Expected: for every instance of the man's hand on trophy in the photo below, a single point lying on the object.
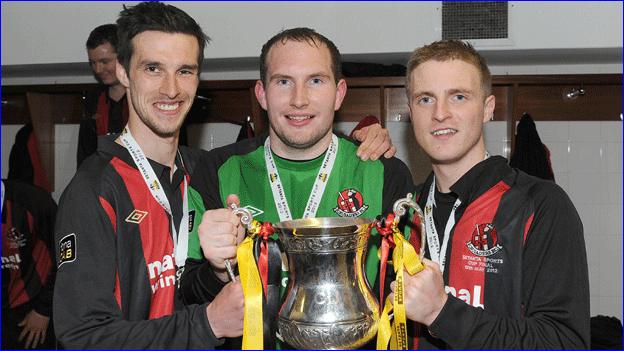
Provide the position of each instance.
(424, 293)
(220, 232)
(225, 313)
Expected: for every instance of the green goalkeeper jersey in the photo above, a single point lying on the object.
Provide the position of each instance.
(355, 188)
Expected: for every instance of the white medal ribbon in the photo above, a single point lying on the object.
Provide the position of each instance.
(438, 254)
(180, 240)
(279, 196)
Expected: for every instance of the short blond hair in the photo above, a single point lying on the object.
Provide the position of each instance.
(446, 50)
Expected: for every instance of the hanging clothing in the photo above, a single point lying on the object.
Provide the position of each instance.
(246, 131)
(25, 161)
(530, 154)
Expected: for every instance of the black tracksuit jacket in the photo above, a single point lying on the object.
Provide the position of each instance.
(522, 283)
(115, 284)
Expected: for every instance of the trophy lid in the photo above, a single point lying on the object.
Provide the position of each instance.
(323, 226)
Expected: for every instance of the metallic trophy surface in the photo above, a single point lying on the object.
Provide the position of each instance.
(329, 304)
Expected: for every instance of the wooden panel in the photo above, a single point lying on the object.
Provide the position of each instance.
(64, 108)
(221, 105)
(548, 103)
(67, 108)
(41, 106)
(396, 105)
(258, 115)
(550, 79)
(502, 111)
(15, 109)
(397, 109)
(359, 103)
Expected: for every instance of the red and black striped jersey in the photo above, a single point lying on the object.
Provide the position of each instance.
(516, 269)
(28, 214)
(116, 282)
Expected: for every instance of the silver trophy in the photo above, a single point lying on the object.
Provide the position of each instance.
(329, 303)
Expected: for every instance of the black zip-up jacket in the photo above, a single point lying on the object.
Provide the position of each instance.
(516, 266)
(115, 285)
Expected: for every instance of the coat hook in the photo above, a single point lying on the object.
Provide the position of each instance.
(574, 93)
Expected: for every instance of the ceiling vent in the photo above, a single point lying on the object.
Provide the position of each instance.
(474, 20)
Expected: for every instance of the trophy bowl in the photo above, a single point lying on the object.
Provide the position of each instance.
(329, 303)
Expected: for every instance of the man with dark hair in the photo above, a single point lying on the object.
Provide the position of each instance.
(106, 108)
(507, 268)
(123, 222)
(300, 170)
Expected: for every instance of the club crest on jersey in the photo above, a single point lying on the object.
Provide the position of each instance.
(136, 216)
(484, 240)
(67, 249)
(350, 203)
(16, 239)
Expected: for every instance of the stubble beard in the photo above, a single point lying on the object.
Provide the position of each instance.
(296, 143)
(162, 130)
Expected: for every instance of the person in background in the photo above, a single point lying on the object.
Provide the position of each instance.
(507, 266)
(300, 169)
(123, 220)
(28, 269)
(106, 107)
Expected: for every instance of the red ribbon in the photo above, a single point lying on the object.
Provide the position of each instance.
(266, 230)
(384, 228)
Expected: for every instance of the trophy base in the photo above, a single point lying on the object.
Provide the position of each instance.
(328, 336)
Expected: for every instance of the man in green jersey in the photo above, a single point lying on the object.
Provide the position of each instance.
(301, 169)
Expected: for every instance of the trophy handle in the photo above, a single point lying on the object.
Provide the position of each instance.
(400, 208)
(245, 214)
(246, 218)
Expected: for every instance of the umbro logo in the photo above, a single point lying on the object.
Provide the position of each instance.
(254, 211)
(136, 216)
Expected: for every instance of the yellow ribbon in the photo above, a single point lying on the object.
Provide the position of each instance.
(253, 337)
(384, 330)
(404, 257)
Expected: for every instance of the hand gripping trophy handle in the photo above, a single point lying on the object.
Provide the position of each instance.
(246, 218)
(400, 208)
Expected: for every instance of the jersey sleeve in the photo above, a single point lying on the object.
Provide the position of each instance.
(397, 182)
(365, 122)
(86, 311)
(199, 283)
(555, 289)
(44, 218)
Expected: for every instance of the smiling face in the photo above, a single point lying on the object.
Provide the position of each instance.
(301, 96)
(161, 82)
(103, 60)
(448, 108)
